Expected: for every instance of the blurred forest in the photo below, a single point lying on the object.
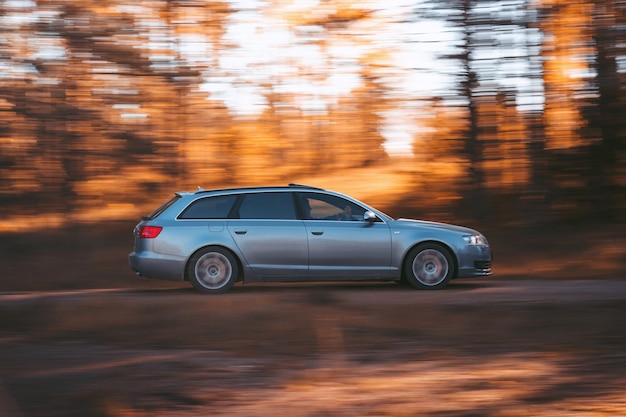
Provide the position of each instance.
(510, 110)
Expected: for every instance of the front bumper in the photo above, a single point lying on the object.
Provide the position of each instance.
(477, 264)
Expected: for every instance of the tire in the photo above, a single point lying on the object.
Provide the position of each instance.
(212, 270)
(429, 266)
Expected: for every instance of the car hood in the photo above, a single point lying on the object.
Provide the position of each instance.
(432, 225)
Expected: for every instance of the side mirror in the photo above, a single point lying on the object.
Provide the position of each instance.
(370, 216)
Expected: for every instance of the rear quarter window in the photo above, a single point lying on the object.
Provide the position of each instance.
(156, 213)
(209, 208)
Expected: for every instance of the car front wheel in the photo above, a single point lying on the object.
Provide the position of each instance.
(212, 270)
(429, 266)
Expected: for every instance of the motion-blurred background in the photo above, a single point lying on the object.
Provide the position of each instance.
(508, 111)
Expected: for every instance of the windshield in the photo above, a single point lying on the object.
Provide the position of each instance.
(384, 215)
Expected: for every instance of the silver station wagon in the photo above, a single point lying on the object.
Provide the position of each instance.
(214, 238)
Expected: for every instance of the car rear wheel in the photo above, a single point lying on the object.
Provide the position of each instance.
(212, 270)
(429, 266)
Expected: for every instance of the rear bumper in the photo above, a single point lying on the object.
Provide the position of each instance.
(153, 265)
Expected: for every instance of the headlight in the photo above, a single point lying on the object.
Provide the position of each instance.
(475, 240)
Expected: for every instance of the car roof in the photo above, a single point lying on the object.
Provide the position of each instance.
(291, 186)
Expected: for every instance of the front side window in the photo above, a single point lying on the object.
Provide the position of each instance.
(267, 206)
(329, 207)
(209, 208)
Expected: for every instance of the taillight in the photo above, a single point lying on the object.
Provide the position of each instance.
(149, 232)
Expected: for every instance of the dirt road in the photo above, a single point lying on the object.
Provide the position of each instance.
(479, 348)
(81, 336)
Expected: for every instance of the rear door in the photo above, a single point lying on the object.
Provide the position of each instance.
(269, 235)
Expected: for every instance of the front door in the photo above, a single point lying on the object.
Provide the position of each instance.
(356, 249)
(341, 243)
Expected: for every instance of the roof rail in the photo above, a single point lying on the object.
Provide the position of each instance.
(304, 186)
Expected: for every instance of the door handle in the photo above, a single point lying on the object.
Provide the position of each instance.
(241, 232)
(318, 233)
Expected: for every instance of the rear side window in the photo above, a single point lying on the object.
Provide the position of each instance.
(267, 206)
(209, 208)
